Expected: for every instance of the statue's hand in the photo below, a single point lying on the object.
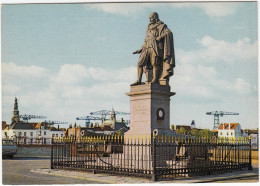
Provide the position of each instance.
(137, 52)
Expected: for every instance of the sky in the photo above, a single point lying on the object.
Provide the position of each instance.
(66, 60)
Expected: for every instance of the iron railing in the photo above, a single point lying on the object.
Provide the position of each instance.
(158, 157)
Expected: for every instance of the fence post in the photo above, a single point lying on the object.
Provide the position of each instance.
(250, 155)
(52, 153)
(154, 177)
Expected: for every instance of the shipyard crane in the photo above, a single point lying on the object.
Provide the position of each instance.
(104, 113)
(27, 117)
(216, 117)
(55, 122)
(88, 119)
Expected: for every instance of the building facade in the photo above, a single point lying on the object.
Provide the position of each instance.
(24, 133)
(229, 130)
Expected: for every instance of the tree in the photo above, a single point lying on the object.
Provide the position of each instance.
(194, 132)
(182, 130)
(206, 133)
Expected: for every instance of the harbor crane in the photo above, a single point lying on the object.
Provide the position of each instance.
(55, 122)
(88, 119)
(27, 117)
(104, 113)
(216, 117)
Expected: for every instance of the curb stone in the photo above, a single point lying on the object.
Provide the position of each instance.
(114, 179)
(104, 178)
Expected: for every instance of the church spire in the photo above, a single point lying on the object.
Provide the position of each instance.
(113, 115)
(15, 115)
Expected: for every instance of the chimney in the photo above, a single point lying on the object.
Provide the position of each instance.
(229, 126)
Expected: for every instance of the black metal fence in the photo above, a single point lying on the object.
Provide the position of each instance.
(157, 158)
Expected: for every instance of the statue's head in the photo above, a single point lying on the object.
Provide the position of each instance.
(154, 17)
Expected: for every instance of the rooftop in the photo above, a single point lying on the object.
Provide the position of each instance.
(233, 126)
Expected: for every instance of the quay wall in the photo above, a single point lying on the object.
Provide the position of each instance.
(34, 151)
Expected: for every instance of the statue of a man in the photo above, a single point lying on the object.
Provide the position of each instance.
(157, 53)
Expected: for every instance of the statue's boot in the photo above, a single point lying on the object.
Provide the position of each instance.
(140, 73)
(155, 75)
(136, 83)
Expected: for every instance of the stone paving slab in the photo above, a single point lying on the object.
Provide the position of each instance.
(104, 178)
(116, 179)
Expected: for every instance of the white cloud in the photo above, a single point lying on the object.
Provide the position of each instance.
(125, 9)
(73, 89)
(216, 9)
(221, 50)
(10, 88)
(215, 51)
(74, 73)
(213, 9)
(71, 73)
(197, 73)
(194, 80)
(23, 71)
(242, 86)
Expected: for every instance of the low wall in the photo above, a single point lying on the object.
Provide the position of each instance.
(34, 151)
(255, 155)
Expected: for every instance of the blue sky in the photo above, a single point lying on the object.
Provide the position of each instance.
(67, 60)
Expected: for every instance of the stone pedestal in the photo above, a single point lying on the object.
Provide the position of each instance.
(150, 109)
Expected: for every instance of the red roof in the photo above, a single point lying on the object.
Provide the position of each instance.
(233, 126)
(38, 126)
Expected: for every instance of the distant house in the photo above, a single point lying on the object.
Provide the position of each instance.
(31, 133)
(229, 130)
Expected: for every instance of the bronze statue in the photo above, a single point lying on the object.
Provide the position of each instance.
(157, 53)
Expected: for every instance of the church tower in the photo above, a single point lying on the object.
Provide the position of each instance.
(15, 115)
(113, 116)
(192, 125)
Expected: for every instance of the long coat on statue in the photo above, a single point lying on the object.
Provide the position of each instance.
(163, 48)
(168, 50)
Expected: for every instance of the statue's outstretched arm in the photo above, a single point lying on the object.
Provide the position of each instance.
(138, 51)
